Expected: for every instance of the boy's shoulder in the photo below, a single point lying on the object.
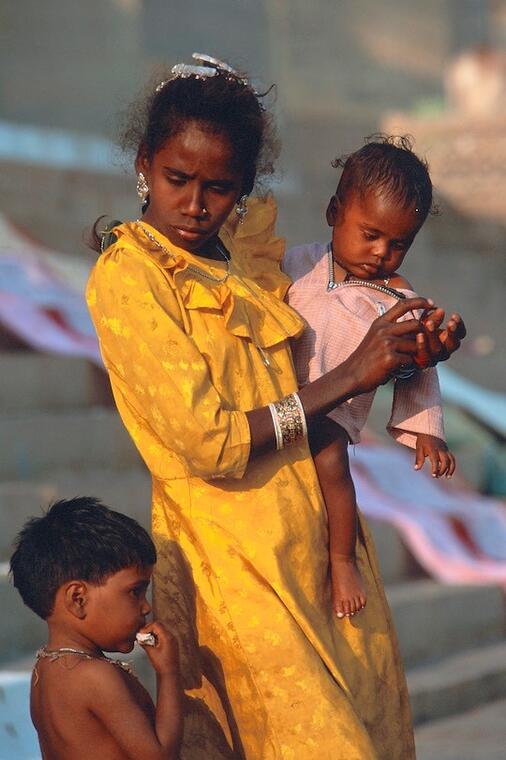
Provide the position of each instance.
(85, 685)
(300, 260)
(89, 691)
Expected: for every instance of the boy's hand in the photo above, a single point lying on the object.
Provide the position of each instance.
(441, 459)
(164, 655)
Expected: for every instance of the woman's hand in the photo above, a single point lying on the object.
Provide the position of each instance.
(390, 345)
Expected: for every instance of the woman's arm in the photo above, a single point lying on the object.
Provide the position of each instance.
(162, 384)
(387, 345)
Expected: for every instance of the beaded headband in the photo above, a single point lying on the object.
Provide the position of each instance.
(205, 66)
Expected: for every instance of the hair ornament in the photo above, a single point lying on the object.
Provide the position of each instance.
(205, 66)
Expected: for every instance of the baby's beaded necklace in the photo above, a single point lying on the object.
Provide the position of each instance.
(332, 284)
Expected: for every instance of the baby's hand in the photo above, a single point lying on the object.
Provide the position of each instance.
(163, 655)
(441, 459)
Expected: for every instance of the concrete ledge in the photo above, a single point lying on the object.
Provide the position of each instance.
(396, 563)
(41, 441)
(127, 490)
(21, 632)
(458, 683)
(478, 733)
(433, 620)
(38, 381)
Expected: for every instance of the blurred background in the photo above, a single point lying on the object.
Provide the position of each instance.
(343, 70)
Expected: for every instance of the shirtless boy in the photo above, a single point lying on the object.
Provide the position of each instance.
(85, 570)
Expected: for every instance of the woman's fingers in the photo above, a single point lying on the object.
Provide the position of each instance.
(435, 317)
(404, 307)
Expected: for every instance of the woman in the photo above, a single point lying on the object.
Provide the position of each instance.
(199, 361)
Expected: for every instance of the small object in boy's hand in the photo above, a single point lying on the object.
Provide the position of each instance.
(146, 639)
(426, 313)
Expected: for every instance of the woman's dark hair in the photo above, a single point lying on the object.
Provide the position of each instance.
(387, 165)
(219, 104)
(77, 539)
(222, 104)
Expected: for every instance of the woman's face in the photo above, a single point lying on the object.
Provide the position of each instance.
(193, 186)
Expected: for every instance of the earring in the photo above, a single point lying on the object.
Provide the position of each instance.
(242, 208)
(142, 187)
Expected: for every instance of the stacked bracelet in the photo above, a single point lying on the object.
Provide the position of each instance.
(289, 420)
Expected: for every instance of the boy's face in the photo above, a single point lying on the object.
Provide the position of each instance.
(371, 235)
(116, 610)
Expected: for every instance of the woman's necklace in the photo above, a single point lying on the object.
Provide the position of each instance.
(332, 284)
(57, 654)
(191, 267)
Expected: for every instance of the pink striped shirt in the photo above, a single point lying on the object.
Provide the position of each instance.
(337, 320)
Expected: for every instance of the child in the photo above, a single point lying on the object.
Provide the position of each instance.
(383, 197)
(85, 570)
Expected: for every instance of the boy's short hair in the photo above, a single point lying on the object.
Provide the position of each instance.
(386, 164)
(77, 539)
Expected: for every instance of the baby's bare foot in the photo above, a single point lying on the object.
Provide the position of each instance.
(348, 590)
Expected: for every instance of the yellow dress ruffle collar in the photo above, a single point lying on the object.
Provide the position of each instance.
(250, 297)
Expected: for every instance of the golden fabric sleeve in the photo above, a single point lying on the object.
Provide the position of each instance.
(160, 380)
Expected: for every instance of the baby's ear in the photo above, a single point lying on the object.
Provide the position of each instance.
(333, 211)
(75, 597)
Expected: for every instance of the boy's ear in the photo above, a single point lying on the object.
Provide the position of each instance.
(75, 598)
(333, 211)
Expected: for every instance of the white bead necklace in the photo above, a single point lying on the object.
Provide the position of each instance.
(57, 654)
(191, 267)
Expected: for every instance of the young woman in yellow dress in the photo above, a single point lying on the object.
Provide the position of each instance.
(195, 337)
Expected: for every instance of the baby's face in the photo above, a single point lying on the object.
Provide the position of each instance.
(118, 608)
(371, 235)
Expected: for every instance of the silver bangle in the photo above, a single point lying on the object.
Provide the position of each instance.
(277, 429)
(289, 420)
(302, 413)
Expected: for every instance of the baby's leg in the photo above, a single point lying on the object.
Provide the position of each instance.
(330, 453)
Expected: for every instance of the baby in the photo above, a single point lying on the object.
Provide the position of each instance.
(383, 198)
(85, 569)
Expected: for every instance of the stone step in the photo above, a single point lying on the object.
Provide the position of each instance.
(128, 490)
(21, 631)
(477, 733)
(459, 682)
(435, 620)
(432, 621)
(35, 442)
(396, 562)
(40, 381)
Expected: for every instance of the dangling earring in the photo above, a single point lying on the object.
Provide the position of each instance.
(242, 208)
(142, 187)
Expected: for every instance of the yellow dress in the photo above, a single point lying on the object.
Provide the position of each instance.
(242, 575)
